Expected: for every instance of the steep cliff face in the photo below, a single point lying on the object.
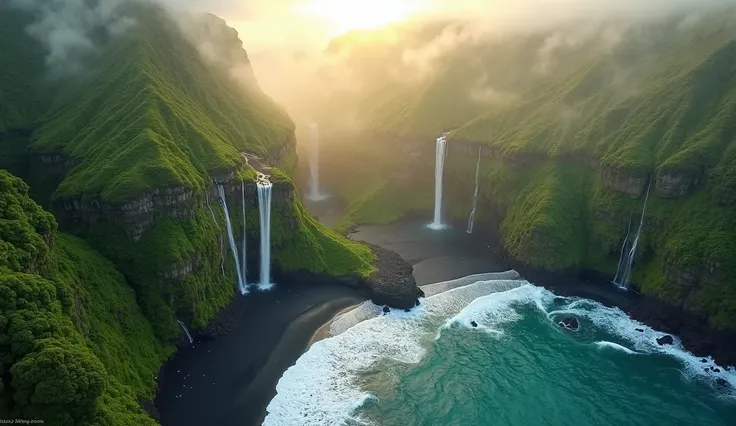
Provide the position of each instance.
(130, 153)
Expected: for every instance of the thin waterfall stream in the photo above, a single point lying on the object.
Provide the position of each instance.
(624, 281)
(233, 247)
(471, 219)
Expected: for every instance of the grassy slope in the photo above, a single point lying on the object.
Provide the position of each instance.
(74, 346)
(666, 105)
(154, 114)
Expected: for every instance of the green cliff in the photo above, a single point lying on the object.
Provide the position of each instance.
(572, 125)
(128, 156)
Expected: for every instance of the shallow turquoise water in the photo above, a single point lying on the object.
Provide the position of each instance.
(518, 367)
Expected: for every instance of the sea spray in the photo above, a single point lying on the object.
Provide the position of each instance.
(243, 247)
(376, 371)
(625, 279)
(471, 219)
(621, 256)
(439, 167)
(314, 191)
(264, 208)
(186, 331)
(329, 368)
(241, 283)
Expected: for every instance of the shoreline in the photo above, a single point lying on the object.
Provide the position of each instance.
(232, 373)
(308, 307)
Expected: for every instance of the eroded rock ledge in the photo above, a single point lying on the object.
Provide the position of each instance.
(667, 184)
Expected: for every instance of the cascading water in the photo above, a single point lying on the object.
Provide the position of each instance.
(243, 247)
(471, 219)
(264, 208)
(621, 257)
(314, 193)
(625, 279)
(439, 167)
(241, 282)
(186, 331)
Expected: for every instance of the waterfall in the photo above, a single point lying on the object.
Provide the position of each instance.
(439, 167)
(314, 193)
(471, 219)
(241, 283)
(621, 258)
(625, 279)
(243, 247)
(264, 209)
(186, 330)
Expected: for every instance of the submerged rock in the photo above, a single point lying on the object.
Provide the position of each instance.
(386, 309)
(407, 310)
(703, 360)
(640, 330)
(474, 324)
(665, 340)
(420, 293)
(418, 303)
(569, 323)
(722, 383)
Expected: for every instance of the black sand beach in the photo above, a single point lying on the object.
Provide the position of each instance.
(230, 381)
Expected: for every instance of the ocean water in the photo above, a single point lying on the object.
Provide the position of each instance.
(516, 366)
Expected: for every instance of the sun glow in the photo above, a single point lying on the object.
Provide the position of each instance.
(346, 15)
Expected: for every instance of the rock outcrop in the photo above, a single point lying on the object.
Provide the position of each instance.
(672, 184)
(630, 184)
(393, 283)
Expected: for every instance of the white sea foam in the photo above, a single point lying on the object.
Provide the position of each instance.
(615, 346)
(320, 388)
(615, 322)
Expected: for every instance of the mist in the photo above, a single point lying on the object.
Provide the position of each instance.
(297, 62)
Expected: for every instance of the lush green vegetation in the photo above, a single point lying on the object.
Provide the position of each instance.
(302, 243)
(566, 113)
(154, 113)
(74, 346)
(87, 320)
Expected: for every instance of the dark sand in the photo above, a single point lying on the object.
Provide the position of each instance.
(231, 380)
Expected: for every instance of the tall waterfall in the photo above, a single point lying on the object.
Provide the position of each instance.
(314, 193)
(439, 167)
(186, 331)
(241, 282)
(243, 247)
(471, 219)
(624, 281)
(264, 209)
